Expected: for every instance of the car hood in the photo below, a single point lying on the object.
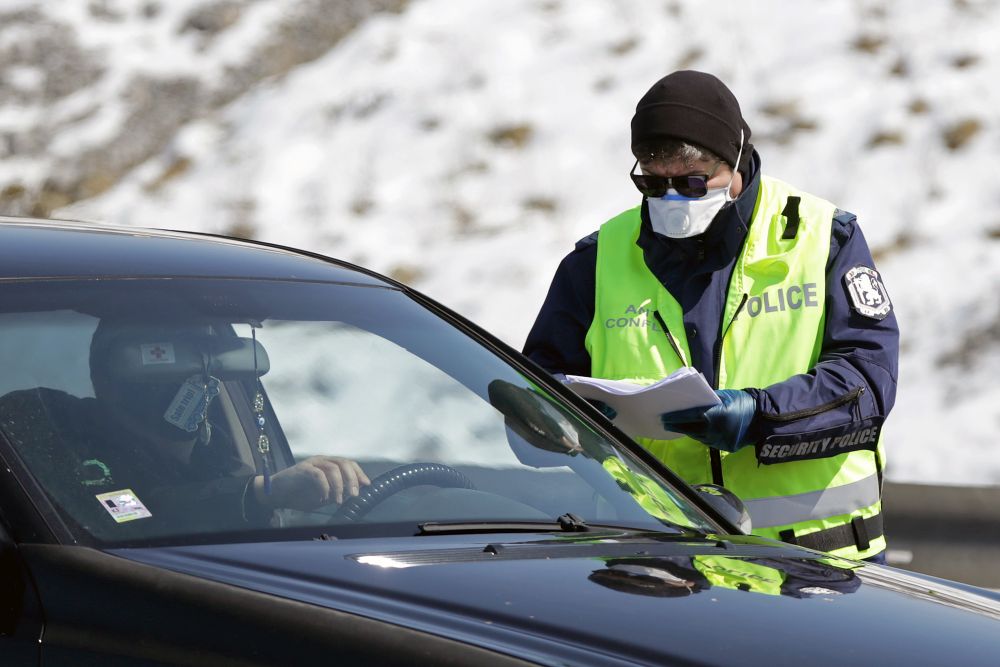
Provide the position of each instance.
(621, 598)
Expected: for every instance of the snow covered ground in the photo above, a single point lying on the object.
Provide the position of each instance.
(464, 145)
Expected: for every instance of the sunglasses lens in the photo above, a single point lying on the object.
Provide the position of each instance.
(651, 186)
(656, 186)
(691, 186)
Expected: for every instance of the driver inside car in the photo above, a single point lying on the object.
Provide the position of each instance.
(151, 430)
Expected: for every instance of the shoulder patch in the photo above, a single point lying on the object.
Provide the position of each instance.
(590, 239)
(868, 295)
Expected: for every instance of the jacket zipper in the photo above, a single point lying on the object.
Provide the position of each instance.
(718, 347)
(853, 395)
(714, 454)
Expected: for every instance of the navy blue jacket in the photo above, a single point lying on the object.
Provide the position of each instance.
(858, 352)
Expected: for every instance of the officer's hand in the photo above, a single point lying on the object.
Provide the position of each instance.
(724, 426)
(319, 480)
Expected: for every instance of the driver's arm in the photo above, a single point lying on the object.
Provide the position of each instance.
(319, 480)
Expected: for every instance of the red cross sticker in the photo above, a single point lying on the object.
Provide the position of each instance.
(157, 353)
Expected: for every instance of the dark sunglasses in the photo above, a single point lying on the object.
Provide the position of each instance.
(693, 185)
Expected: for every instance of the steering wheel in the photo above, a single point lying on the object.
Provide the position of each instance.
(396, 480)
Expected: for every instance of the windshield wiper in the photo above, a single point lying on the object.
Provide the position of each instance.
(567, 523)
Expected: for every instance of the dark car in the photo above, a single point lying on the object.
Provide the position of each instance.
(219, 452)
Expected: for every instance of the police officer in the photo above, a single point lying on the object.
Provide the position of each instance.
(769, 291)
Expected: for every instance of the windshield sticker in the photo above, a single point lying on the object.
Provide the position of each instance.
(157, 353)
(123, 505)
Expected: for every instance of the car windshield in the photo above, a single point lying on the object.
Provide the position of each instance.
(165, 410)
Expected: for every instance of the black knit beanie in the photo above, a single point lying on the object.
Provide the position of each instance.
(694, 107)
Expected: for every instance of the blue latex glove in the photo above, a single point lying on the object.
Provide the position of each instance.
(724, 426)
(603, 407)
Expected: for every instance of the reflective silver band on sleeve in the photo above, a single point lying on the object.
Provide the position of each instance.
(787, 510)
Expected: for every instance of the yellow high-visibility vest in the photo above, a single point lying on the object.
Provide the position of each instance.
(772, 329)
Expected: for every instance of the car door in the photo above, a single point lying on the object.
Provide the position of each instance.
(20, 626)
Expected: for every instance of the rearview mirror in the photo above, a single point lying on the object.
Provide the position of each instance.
(176, 358)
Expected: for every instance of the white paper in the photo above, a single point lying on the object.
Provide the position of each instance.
(639, 406)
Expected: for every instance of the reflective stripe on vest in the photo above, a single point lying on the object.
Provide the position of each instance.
(787, 510)
(773, 323)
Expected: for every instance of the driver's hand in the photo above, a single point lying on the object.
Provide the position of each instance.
(319, 480)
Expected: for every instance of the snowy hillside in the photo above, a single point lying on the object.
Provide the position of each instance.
(464, 145)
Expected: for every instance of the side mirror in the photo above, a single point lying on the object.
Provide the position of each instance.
(533, 418)
(541, 432)
(726, 503)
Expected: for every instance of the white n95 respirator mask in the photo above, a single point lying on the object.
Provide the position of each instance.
(681, 217)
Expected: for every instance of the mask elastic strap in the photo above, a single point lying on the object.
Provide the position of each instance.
(736, 168)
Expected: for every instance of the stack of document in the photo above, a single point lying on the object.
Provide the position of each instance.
(639, 406)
